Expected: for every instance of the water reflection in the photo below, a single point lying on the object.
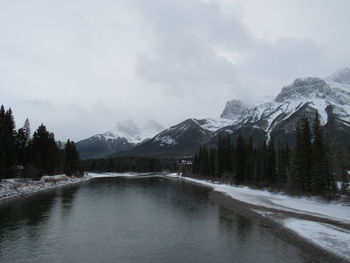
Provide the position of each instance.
(22, 209)
(133, 220)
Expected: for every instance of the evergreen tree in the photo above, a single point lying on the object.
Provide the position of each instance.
(22, 142)
(283, 165)
(241, 160)
(322, 176)
(72, 159)
(8, 158)
(2, 143)
(45, 153)
(344, 181)
(249, 163)
(300, 177)
(306, 169)
(306, 155)
(270, 164)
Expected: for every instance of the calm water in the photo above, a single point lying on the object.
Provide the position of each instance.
(133, 220)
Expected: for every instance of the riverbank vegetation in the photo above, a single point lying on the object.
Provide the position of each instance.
(129, 164)
(306, 169)
(31, 156)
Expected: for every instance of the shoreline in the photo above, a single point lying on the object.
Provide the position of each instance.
(30, 187)
(318, 254)
(274, 219)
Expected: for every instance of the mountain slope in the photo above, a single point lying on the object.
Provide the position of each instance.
(234, 110)
(278, 118)
(123, 137)
(180, 140)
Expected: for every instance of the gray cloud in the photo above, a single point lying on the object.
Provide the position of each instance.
(187, 61)
(80, 66)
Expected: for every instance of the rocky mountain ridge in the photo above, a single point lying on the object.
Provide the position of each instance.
(276, 119)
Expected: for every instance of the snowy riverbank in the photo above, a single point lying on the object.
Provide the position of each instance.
(15, 187)
(323, 224)
(288, 212)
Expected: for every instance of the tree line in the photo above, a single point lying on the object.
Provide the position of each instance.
(305, 169)
(26, 155)
(129, 164)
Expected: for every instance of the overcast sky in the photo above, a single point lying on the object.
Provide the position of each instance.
(80, 66)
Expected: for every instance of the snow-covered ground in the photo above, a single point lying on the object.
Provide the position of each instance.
(103, 175)
(332, 238)
(20, 186)
(15, 187)
(308, 206)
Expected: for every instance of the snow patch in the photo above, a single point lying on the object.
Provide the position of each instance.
(103, 175)
(304, 205)
(165, 140)
(20, 186)
(334, 239)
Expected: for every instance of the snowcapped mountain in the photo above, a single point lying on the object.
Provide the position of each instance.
(278, 118)
(123, 137)
(126, 129)
(180, 140)
(234, 110)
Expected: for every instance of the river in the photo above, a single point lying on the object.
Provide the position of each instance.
(125, 220)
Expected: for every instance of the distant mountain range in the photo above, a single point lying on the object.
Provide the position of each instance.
(275, 119)
(123, 137)
(180, 140)
(278, 118)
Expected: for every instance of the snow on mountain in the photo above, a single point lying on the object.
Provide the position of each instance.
(314, 92)
(124, 136)
(329, 96)
(214, 125)
(180, 140)
(207, 127)
(342, 76)
(234, 110)
(133, 134)
(126, 129)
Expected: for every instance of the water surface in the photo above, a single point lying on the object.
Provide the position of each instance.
(133, 220)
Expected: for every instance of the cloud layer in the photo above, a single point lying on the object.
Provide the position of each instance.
(80, 66)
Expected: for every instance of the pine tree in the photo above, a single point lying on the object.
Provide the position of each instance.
(241, 160)
(344, 181)
(323, 182)
(2, 143)
(8, 142)
(271, 164)
(249, 164)
(72, 160)
(300, 177)
(306, 155)
(45, 153)
(22, 142)
(283, 165)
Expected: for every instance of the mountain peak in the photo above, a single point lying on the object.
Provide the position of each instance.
(341, 76)
(303, 88)
(234, 109)
(127, 127)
